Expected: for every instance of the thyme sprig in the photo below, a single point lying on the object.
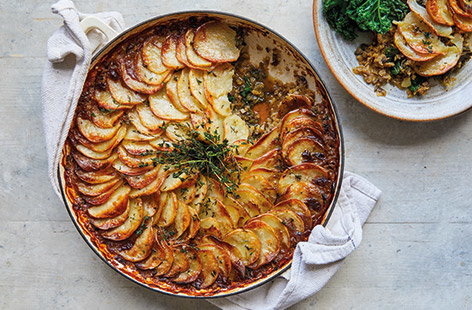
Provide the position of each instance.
(202, 151)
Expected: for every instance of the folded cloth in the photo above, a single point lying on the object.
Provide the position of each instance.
(69, 52)
(314, 261)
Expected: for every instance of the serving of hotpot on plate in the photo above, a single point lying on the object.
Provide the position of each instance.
(320, 169)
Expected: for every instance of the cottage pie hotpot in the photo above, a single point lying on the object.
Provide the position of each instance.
(203, 149)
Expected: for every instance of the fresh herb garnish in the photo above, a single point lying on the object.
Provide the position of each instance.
(416, 83)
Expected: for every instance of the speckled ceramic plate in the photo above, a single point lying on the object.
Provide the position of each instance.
(437, 104)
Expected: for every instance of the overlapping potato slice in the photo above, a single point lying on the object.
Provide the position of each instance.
(142, 180)
(157, 257)
(126, 170)
(125, 230)
(443, 63)
(291, 220)
(276, 224)
(181, 262)
(421, 13)
(216, 42)
(192, 56)
(308, 193)
(235, 128)
(266, 143)
(462, 22)
(95, 189)
(134, 135)
(193, 227)
(102, 147)
(196, 86)
(105, 100)
(96, 134)
(406, 50)
(142, 247)
(270, 243)
(104, 118)
(246, 243)
(293, 102)
(152, 187)
(186, 194)
(96, 177)
(152, 55)
(439, 12)
(114, 206)
(148, 76)
(458, 10)
(92, 154)
(138, 148)
(210, 269)
(222, 258)
(184, 93)
(172, 92)
(270, 160)
(163, 108)
(194, 269)
(176, 131)
(236, 211)
(260, 183)
(216, 209)
(169, 204)
(90, 164)
(169, 51)
(147, 123)
(300, 118)
(201, 190)
(304, 150)
(252, 200)
(182, 219)
(218, 83)
(104, 197)
(168, 260)
(299, 208)
(123, 94)
(133, 82)
(419, 35)
(134, 161)
(174, 180)
(108, 223)
(209, 226)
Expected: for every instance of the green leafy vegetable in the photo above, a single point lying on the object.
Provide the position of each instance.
(335, 13)
(416, 83)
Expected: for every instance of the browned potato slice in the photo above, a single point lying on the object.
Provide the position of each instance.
(299, 208)
(168, 204)
(152, 187)
(306, 192)
(217, 84)
(143, 180)
(291, 220)
(307, 172)
(270, 243)
(151, 205)
(196, 86)
(108, 223)
(194, 226)
(148, 76)
(90, 164)
(136, 85)
(298, 113)
(96, 189)
(181, 262)
(244, 162)
(304, 132)
(443, 63)
(252, 200)
(134, 135)
(145, 121)
(304, 150)
(172, 93)
(413, 30)
(276, 224)
(222, 258)
(192, 56)
(102, 198)
(125, 230)
(236, 211)
(201, 190)
(241, 147)
(142, 247)
(122, 168)
(235, 129)
(210, 227)
(91, 153)
(210, 269)
(458, 10)
(174, 180)
(152, 54)
(194, 269)
(94, 133)
(163, 108)
(215, 190)
(168, 260)
(134, 161)
(110, 144)
(262, 185)
(421, 13)
(246, 243)
(216, 42)
(177, 131)
(169, 51)
(439, 11)
(292, 102)
(107, 102)
(297, 123)
(182, 219)
(96, 177)
(161, 143)
(153, 123)
(270, 160)
(266, 143)
(184, 93)
(231, 251)
(217, 210)
(181, 51)
(158, 256)
(104, 118)
(114, 206)
(138, 148)
(123, 94)
(406, 50)
(215, 124)
(462, 22)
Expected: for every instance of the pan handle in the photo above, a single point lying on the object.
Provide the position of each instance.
(92, 22)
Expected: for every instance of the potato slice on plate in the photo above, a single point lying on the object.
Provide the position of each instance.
(185, 95)
(276, 224)
(148, 76)
(133, 82)
(163, 108)
(94, 133)
(96, 189)
(235, 128)
(90, 164)
(123, 94)
(181, 262)
(114, 206)
(406, 50)
(443, 63)
(192, 56)
(194, 269)
(172, 93)
(216, 42)
(210, 268)
(108, 223)
(147, 123)
(196, 86)
(421, 13)
(270, 243)
(104, 118)
(247, 245)
(96, 177)
(142, 247)
(439, 12)
(168, 203)
(266, 143)
(419, 35)
(125, 230)
(152, 54)
(169, 51)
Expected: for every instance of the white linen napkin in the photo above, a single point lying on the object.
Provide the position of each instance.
(69, 53)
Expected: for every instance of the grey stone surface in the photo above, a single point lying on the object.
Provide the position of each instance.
(416, 251)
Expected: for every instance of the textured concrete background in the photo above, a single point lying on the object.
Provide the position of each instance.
(416, 251)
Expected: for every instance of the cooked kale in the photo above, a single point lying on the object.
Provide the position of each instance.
(335, 13)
